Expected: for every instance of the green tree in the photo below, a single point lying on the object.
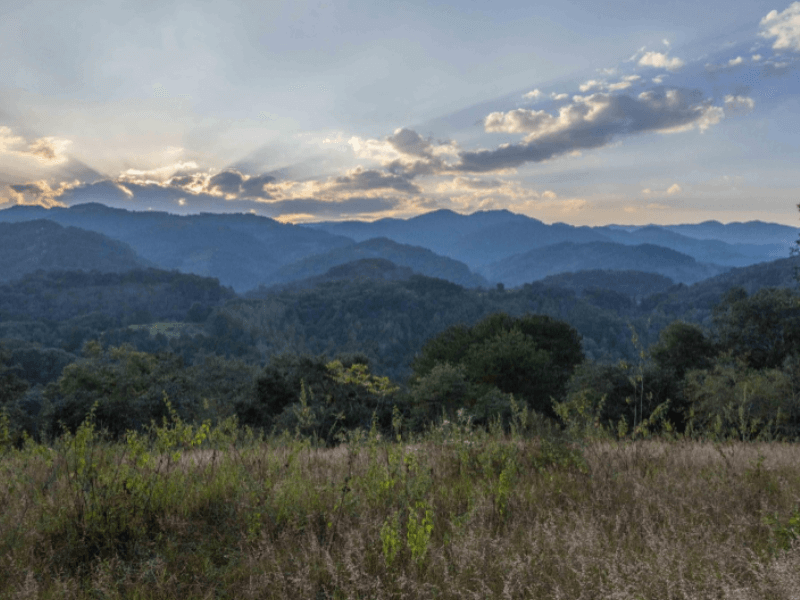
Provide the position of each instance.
(733, 399)
(128, 386)
(12, 387)
(532, 356)
(763, 329)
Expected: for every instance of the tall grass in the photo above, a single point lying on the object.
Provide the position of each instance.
(219, 512)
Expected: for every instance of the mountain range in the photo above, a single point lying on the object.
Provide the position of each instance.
(479, 250)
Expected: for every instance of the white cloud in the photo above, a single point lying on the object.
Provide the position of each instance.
(625, 83)
(40, 193)
(756, 57)
(555, 96)
(159, 174)
(739, 105)
(661, 61)
(784, 26)
(735, 61)
(591, 84)
(47, 150)
(533, 95)
(589, 122)
(672, 190)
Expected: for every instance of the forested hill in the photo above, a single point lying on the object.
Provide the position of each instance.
(364, 268)
(420, 260)
(564, 257)
(40, 244)
(138, 296)
(239, 250)
(633, 284)
(485, 237)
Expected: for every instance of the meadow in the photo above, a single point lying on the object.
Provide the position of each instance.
(522, 511)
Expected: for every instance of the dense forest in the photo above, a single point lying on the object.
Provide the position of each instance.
(370, 430)
(694, 354)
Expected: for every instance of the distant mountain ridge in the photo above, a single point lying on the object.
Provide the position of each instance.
(239, 250)
(420, 260)
(486, 237)
(41, 244)
(570, 257)
(364, 268)
(245, 251)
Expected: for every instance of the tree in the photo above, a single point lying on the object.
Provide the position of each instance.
(12, 387)
(763, 329)
(128, 386)
(683, 346)
(532, 356)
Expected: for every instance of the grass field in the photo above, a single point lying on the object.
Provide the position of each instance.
(216, 513)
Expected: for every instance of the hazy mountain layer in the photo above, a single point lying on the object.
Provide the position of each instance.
(489, 236)
(239, 250)
(363, 269)
(420, 260)
(245, 251)
(569, 257)
(41, 244)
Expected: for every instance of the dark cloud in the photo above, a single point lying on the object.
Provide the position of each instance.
(35, 188)
(419, 167)
(374, 180)
(233, 183)
(183, 180)
(227, 182)
(254, 187)
(408, 141)
(589, 122)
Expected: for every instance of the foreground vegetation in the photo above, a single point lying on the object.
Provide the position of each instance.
(529, 511)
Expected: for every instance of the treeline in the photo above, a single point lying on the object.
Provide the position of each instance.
(743, 375)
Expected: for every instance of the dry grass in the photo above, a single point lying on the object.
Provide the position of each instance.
(522, 519)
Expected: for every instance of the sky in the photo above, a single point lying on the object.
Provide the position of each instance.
(586, 112)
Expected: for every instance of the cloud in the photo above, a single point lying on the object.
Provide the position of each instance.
(661, 61)
(738, 105)
(672, 190)
(159, 174)
(226, 182)
(589, 122)
(591, 84)
(784, 26)
(253, 186)
(533, 95)
(229, 183)
(406, 153)
(735, 61)
(39, 193)
(370, 179)
(626, 82)
(47, 150)
(555, 96)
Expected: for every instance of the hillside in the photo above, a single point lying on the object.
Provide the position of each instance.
(362, 269)
(419, 260)
(634, 284)
(134, 296)
(29, 246)
(696, 301)
(485, 237)
(239, 250)
(570, 257)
